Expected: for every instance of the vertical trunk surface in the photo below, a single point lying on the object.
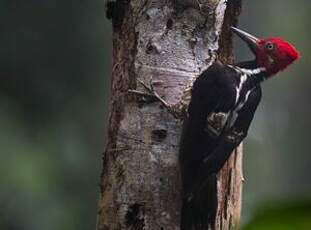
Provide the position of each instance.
(168, 43)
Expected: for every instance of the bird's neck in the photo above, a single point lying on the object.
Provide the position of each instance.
(254, 73)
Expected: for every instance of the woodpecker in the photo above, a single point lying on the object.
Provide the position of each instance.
(223, 102)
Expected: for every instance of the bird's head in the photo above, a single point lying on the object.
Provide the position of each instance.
(274, 54)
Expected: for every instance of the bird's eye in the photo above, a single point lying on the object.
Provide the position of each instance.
(269, 46)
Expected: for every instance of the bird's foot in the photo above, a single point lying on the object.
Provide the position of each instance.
(216, 123)
(235, 136)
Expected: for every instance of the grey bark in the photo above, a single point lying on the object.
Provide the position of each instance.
(168, 43)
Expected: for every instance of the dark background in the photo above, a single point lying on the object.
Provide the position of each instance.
(55, 61)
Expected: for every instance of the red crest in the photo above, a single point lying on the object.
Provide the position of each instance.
(275, 54)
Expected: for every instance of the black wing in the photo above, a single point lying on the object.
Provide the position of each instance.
(202, 153)
(212, 93)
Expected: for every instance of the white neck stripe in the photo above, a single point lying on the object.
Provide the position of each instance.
(249, 71)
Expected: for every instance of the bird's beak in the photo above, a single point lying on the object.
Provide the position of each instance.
(251, 40)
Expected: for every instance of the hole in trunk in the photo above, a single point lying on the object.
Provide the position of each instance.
(135, 217)
(158, 134)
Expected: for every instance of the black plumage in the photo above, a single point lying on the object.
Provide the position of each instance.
(224, 100)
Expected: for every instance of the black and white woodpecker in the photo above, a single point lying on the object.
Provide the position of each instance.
(223, 102)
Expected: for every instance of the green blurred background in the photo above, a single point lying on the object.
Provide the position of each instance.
(55, 60)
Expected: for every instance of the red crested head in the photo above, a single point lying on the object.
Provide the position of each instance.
(273, 54)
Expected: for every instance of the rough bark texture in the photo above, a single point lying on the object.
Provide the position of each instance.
(168, 42)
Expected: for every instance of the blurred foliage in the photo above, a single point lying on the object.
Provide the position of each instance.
(282, 216)
(55, 68)
(277, 150)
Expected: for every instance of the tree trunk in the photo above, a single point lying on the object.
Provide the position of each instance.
(169, 43)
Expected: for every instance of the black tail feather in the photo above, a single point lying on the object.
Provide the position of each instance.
(200, 207)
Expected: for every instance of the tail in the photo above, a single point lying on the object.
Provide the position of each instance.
(199, 207)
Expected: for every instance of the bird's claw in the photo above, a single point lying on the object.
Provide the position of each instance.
(216, 123)
(235, 136)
